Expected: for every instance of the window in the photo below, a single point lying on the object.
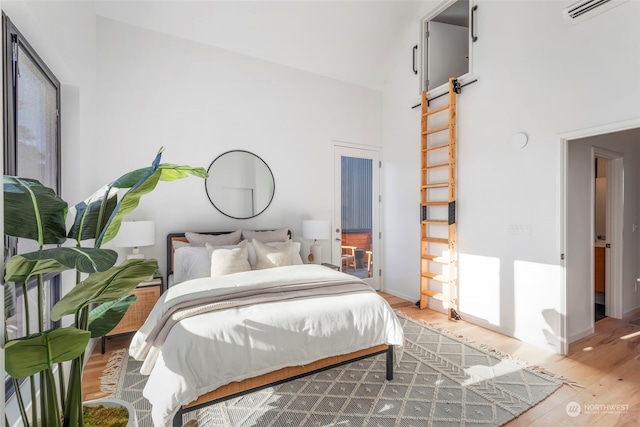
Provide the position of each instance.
(32, 150)
(446, 44)
(357, 194)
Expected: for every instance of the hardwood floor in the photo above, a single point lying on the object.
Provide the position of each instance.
(605, 366)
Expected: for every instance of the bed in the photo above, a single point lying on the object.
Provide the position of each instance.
(213, 337)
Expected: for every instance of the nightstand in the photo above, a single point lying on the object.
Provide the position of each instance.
(147, 293)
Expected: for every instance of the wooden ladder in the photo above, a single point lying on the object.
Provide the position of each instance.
(438, 256)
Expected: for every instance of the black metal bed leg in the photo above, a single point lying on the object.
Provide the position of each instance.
(390, 363)
(177, 419)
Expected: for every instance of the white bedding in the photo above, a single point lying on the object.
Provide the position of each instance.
(204, 352)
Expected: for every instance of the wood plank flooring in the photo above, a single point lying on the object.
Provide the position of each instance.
(604, 365)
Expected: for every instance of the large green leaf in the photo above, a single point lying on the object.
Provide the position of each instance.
(128, 203)
(171, 172)
(105, 286)
(149, 180)
(139, 183)
(91, 215)
(86, 260)
(105, 317)
(20, 269)
(33, 211)
(28, 356)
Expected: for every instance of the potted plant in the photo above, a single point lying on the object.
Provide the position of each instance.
(100, 297)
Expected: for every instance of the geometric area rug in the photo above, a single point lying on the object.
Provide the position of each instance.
(441, 380)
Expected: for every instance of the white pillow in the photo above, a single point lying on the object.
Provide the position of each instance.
(296, 259)
(190, 262)
(281, 235)
(197, 239)
(269, 256)
(229, 260)
(177, 244)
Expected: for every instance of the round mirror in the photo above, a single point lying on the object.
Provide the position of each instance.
(240, 184)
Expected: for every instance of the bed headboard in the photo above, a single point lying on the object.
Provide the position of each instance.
(180, 237)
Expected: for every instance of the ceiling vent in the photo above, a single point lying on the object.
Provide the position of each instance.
(585, 9)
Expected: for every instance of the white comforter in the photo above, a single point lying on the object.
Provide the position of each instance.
(211, 349)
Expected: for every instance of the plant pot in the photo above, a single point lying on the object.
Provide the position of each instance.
(109, 402)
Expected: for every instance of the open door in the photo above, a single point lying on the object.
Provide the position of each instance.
(356, 233)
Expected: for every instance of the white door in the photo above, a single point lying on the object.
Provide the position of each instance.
(356, 213)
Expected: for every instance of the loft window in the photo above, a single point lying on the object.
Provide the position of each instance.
(447, 35)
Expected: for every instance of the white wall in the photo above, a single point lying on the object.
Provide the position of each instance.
(199, 101)
(536, 74)
(401, 167)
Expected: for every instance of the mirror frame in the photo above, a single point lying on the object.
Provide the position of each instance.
(219, 208)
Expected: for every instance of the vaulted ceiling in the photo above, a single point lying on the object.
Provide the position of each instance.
(349, 40)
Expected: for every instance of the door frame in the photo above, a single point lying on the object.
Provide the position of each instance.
(341, 148)
(564, 238)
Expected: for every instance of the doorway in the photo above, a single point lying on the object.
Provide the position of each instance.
(600, 240)
(617, 143)
(607, 220)
(356, 223)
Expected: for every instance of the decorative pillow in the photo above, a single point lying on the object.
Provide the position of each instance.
(281, 235)
(269, 256)
(229, 260)
(197, 239)
(296, 259)
(190, 262)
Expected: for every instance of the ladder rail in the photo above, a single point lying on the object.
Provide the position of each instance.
(434, 242)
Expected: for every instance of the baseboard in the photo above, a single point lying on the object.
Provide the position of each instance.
(632, 312)
(575, 337)
(486, 325)
(400, 295)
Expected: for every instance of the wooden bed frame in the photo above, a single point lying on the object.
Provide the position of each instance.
(270, 379)
(283, 375)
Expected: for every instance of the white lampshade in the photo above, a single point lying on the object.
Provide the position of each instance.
(134, 234)
(316, 230)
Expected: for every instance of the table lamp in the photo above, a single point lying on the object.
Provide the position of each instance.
(134, 234)
(315, 230)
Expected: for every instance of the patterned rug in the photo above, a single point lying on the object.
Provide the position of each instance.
(441, 380)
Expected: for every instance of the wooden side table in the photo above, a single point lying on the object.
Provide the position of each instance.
(148, 293)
